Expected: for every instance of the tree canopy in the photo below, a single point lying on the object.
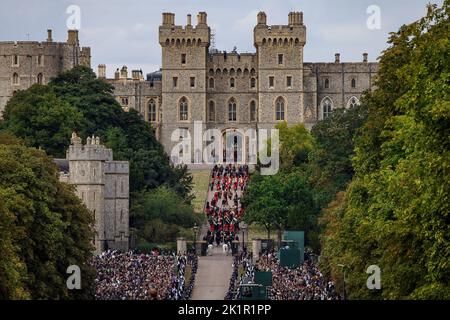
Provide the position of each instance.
(394, 213)
(44, 227)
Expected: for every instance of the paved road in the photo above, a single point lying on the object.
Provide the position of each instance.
(213, 276)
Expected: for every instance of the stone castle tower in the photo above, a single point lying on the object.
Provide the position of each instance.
(234, 92)
(24, 63)
(103, 185)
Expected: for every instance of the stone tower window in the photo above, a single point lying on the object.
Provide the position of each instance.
(289, 81)
(211, 112)
(183, 58)
(271, 82)
(192, 82)
(327, 83)
(280, 59)
(211, 83)
(232, 110)
(184, 109)
(253, 111)
(353, 83)
(175, 82)
(232, 83)
(279, 109)
(152, 111)
(40, 78)
(253, 83)
(327, 108)
(15, 60)
(40, 60)
(15, 78)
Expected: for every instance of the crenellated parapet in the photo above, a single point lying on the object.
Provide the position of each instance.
(188, 35)
(92, 150)
(291, 34)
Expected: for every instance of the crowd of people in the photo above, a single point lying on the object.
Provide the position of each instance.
(224, 209)
(243, 260)
(303, 283)
(131, 276)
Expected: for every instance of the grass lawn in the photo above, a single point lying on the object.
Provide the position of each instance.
(200, 188)
(256, 231)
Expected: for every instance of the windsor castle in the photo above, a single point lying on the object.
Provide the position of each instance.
(228, 91)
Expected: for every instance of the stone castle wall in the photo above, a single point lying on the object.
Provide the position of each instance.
(37, 62)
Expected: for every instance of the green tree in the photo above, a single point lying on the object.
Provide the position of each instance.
(395, 211)
(161, 214)
(42, 119)
(49, 230)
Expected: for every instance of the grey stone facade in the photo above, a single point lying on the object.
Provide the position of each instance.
(272, 85)
(24, 63)
(103, 185)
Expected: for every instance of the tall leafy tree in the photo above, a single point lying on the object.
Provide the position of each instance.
(395, 211)
(47, 228)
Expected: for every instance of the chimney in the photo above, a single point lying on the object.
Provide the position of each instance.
(124, 72)
(295, 18)
(337, 58)
(101, 71)
(201, 19)
(49, 35)
(136, 74)
(189, 20)
(72, 37)
(365, 57)
(168, 19)
(262, 18)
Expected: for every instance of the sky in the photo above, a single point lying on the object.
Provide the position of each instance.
(125, 32)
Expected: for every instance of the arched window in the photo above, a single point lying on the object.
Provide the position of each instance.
(152, 111)
(279, 109)
(327, 108)
(15, 78)
(184, 109)
(353, 83)
(232, 110)
(352, 102)
(40, 78)
(211, 112)
(253, 115)
(211, 83)
(232, 83)
(252, 83)
(327, 83)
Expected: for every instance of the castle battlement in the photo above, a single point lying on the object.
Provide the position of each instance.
(92, 150)
(176, 35)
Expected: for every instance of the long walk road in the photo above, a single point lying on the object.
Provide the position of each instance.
(213, 276)
(214, 272)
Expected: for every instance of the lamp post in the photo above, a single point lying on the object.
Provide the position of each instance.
(244, 227)
(343, 266)
(195, 230)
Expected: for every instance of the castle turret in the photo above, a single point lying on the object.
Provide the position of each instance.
(184, 54)
(280, 69)
(101, 71)
(262, 18)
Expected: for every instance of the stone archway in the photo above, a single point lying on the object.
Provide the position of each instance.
(234, 146)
